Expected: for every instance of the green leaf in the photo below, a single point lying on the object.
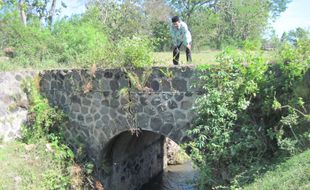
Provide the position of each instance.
(276, 105)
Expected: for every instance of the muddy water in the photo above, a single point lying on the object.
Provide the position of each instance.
(175, 177)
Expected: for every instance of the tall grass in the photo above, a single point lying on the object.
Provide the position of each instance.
(291, 174)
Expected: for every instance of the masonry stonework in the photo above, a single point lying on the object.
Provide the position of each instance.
(13, 103)
(98, 111)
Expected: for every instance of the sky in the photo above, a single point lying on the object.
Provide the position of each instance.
(73, 7)
(296, 15)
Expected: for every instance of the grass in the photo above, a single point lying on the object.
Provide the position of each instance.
(28, 167)
(165, 58)
(8, 65)
(160, 58)
(32, 167)
(293, 174)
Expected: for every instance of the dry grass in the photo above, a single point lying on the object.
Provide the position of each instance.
(165, 58)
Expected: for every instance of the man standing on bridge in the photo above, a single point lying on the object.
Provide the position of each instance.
(180, 36)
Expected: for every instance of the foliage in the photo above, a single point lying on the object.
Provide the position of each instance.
(253, 45)
(271, 41)
(81, 39)
(241, 20)
(237, 127)
(70, 41)
(291, 174)
(46, 124)
(161, 36)
(80, 42)
(278, 6)
(158, 12)
(116, 23)
(46, 129)
(139, 82)
(288, 93)
(220, 139)
(222, 23)
(294, 35)
(34, 10)
(134, 52)
(32, 44)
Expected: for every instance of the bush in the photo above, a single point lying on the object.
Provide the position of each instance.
(45, 125)
(32, 44)
(251, 45)
(220, 136)
(135, 52)
(79, 42)
(70, 41)
(288, 93)
(237, 124)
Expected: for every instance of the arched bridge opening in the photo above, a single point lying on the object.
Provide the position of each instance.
(131, 160)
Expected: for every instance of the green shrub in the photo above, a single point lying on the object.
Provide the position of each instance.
(220, 138)
(32, 44)
(251, 44)
(43, 119)
(45, 129)
(288, 93)
(248, 112)
(135, 52)
(46, 125)
(79, 42)
(73, 41)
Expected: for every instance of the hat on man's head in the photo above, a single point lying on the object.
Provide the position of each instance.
(175, 19)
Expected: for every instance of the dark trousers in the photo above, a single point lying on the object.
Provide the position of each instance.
(176, 55)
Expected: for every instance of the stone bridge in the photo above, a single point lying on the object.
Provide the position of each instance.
(122, 116)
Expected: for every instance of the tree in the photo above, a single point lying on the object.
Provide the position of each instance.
(242, 20)
(229, 21)
(271, 41)
(117, 24)
(22, 12)
(158, 13)
(43, 10)
(294, 35)
(187, 8)
(203, 27)
(157, 10)
(278, 6)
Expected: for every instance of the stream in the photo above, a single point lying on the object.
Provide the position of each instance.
(175, 177)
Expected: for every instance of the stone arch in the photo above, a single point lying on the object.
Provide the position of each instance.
(132, 160)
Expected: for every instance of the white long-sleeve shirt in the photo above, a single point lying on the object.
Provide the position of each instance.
(181, 34)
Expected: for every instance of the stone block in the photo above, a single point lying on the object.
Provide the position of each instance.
(156, 123)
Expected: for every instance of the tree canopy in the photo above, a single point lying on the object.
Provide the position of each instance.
(213, 23)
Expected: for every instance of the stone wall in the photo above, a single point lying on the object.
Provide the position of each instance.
(13, 103)
(97, 112)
